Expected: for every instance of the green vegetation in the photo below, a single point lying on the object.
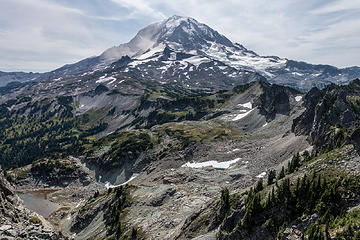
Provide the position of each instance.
(355, 103)
(44, 167)
(282, 173)
(40, 129)
(242, 88)
(35, 220)
(345, 226)
(185, 133)
(316, 194)
(259, 185)
(271, 177)
(337, 140)
(294, 164)
(326, 194)
(225, 200)
(170, 106)
(127, 146)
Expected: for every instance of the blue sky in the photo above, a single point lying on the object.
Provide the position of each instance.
(41, 35)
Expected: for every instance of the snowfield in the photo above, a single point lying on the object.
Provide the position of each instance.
(105, 79)
(261, 175)
(242, 115)
(246, 105)
(108, 185)
(214, 164)
(298, 98)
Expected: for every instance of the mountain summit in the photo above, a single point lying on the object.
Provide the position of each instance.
(184, 51)
(181, 33)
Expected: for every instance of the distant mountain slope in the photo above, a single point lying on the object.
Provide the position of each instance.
(8, 77)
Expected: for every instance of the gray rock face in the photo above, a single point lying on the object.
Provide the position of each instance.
(292, 234)
(331, 116)
(17, 222)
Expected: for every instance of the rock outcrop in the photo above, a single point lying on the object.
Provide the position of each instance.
(17, 222)
(332, 116)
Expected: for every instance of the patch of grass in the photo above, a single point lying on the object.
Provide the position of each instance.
(127, 146)
(350, 218)
(35, 220)
(188, 132)
(44, 167)
(355, 103)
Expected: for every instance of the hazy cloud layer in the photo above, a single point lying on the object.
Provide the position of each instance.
(45, 34)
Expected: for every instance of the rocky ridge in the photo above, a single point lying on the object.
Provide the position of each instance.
(332, 117)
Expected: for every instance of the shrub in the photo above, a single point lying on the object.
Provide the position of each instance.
(35, 220)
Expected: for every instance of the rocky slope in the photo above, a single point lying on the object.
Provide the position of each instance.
(17, 222)
(319, 200)
(200, 190)
(169, 131)
(169, 188)
(180, 149)
(22, 77)
(331, 117)
(316, 197)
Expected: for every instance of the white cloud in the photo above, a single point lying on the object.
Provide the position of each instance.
(337, 6)
(140, 8)
(45, 34)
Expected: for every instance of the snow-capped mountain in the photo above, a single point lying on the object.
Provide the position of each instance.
(183, 51)
(185, 35)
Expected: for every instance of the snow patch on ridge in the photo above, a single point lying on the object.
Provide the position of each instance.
(242, 115)
(197, 60)
(261, 175)
(152, 52)
(108, 185)
(105, 79)
(246, 105)
(214, 164)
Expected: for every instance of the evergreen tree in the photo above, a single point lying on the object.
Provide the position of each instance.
(271, 177)
(225, 200)
(96, 194)
(282, 173)
(306, 156)
(294, 163)
(134, 234)
(259, 186)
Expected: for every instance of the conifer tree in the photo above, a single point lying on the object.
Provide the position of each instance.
(282, 173)
(271, 177)
(225, 200)
(259, 186)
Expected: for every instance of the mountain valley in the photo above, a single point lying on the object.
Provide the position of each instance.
(181, 134)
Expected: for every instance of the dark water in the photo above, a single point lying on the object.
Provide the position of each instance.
(38, 203)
